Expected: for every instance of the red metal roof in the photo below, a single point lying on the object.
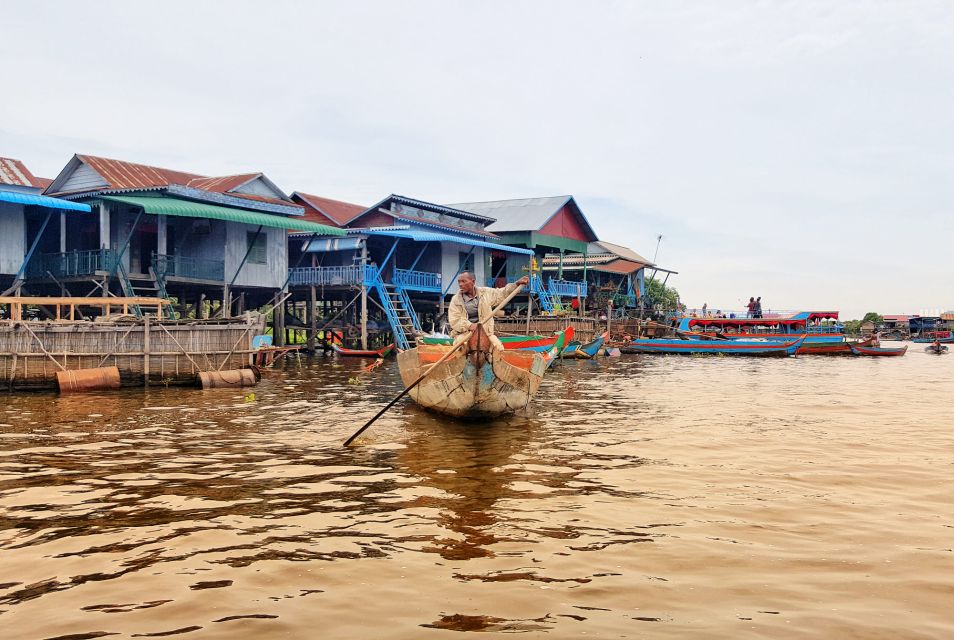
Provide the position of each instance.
(120, 174)
(325, 210)
(15, 173)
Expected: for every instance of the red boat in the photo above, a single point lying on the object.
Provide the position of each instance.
(878, 351)
(362, 353)
(833, 348)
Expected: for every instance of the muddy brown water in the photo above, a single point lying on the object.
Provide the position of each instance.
(643, 497)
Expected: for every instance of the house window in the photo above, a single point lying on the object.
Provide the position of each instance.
(466, 261)
(257, 244)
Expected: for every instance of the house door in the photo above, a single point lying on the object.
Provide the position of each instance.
(143, 245)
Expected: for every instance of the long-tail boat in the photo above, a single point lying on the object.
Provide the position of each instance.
(479, 380)
(383, 352)
(842, 348)
(726, 347)
(937, 349)
(582, 351)
(859, 350)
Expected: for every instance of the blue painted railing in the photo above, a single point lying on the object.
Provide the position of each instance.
(70, 263)
(567, 288)
(170, 266)
(418, 280)
(355, 274)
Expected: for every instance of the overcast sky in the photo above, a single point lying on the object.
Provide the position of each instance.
(801, 151)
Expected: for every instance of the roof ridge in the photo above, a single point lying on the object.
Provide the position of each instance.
(141, 164)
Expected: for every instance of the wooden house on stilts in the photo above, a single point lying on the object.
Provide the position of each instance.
(397, 265)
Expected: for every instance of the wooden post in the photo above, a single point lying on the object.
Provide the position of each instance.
(145, 351)
(529, 308)
(609, 319)
(312, 320)
(364, 299)
(278, 314)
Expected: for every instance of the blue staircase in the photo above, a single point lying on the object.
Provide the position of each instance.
(397, 306)
(548, 302)
(127, 286)
(160, 279)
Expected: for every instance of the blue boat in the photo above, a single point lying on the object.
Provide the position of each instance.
(584, 351)
(725, 347)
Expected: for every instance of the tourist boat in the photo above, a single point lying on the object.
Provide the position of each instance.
(726, 347)
(772, 328)
(859, 350)
(478, 380)
(364, 353)
(944, 337)
(582, 351)
(540, 344)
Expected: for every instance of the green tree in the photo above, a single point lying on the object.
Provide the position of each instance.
(660, 294)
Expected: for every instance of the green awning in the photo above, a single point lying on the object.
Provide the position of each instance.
(164, 205)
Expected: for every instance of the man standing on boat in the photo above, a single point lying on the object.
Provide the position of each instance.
(473, 305)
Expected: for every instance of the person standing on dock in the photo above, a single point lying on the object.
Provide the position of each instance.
(473, 305)
(758, 307)
(751, 307)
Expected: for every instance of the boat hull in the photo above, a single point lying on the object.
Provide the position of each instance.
(584, 351)
(878, 351)
(723, 347)
(478, 381)
(361, 353)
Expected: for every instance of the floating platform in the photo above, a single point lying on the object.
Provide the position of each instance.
(144, 350)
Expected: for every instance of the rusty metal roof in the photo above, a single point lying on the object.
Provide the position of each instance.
(325, 210)
(15, 173)
(120, 174)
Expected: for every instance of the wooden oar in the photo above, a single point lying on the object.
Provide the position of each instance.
(432, 368)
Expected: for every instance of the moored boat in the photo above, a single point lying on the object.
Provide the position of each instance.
(822, 329)
(479, 380)
(860, 350)
(725, 347)
(539, 344)
(833, 348)
(582, 351)
(383, 352)
(943, 337)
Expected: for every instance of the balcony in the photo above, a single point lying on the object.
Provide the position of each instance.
(171, 266)
(350, 275)
(568, 288)
(69, 264)
(418, 280)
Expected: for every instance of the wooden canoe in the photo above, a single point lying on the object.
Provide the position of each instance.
(937, 349)
(859, 350)
(361, 353)
(479, 380)
(582, 351)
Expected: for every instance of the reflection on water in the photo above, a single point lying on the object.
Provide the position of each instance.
(640, 495)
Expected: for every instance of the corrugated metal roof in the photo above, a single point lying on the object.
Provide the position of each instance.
(18, 197)
(526, 214)
(601, 246)
(438, 225)
(419, 235)
(222, 184)
(15, 173)
(335, 211)
(120, 174)
(186, 208)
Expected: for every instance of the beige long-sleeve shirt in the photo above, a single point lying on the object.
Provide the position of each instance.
(488, 298)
